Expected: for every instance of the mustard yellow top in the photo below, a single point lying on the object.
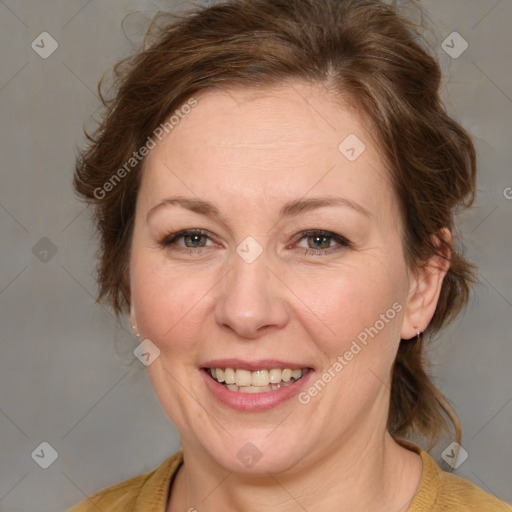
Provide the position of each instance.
(438, 491)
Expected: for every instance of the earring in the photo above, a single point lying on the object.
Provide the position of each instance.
(134, 328)
(418, 334)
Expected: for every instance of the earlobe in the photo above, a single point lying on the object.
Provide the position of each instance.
(425, 288)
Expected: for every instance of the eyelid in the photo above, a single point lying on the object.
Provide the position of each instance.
(341, 240)
(170, 239)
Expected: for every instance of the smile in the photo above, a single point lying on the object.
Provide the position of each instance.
(259, 381)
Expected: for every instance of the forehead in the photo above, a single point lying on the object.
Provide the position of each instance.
(283, 118)
(278, 141)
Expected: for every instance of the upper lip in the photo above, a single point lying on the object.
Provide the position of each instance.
(253, 365)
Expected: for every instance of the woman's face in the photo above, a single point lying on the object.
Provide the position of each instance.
(253, 291)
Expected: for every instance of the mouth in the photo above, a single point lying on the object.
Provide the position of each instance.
(257, 385)
(258, 381)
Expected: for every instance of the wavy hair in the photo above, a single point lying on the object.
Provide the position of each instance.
(371, 57)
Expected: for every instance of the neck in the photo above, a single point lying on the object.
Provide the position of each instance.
(364, 473)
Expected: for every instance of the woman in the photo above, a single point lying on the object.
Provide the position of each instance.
(275, 183)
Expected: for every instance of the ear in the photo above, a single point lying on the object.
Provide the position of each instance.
(425, 288)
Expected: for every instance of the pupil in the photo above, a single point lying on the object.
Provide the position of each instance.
(194, 238)
(318, 238)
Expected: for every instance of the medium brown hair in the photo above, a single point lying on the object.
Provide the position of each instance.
(368, 55)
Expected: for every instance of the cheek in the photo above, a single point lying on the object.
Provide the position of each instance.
(356, 302)
(353, 301)
(166, 302)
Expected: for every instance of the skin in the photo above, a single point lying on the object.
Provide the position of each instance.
(249, 152)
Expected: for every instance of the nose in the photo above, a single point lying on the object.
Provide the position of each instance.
(251, 300)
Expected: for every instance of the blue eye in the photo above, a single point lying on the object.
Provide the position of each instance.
(194, 236)
(319, 246)
(195, 240)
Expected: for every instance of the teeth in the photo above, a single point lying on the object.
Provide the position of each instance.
(296, 374)
(245, 381)
(243, 378)
(259, 378)
(274, 375)
(254, 389)
(286, 375)
(229, 376)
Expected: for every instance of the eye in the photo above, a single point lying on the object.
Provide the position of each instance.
(193, 239)
(319, 242)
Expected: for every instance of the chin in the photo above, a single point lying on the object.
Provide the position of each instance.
(258, 457)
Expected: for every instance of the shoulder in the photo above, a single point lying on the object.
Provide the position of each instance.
(122, 496)
(148, 489)
(456, 493)
(440, 491)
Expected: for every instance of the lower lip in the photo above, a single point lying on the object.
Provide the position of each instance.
(253, 402)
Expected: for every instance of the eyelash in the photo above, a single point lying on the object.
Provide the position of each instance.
(171, 239)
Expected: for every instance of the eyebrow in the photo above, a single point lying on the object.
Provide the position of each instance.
(290, 209)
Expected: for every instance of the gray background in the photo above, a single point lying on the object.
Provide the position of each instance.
(67, 371)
